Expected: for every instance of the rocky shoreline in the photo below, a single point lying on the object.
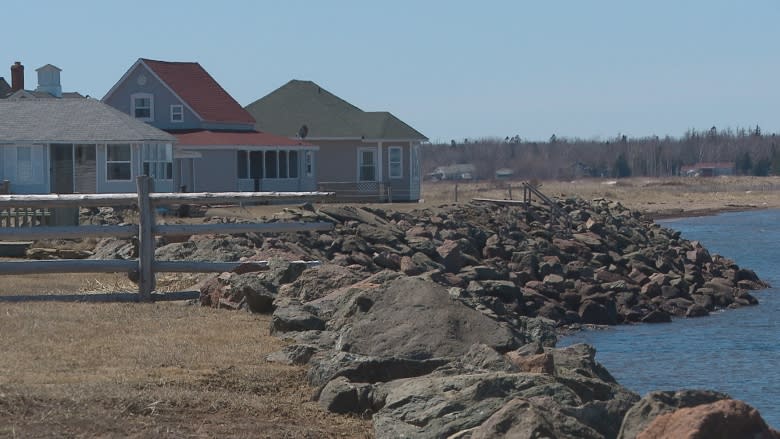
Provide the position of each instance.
(442, 322)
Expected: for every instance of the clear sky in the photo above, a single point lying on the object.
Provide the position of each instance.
(451, 69)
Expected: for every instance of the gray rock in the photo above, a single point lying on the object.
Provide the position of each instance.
(418, 319)
(361, 368)
(295, 317)
(530, 418)
(293, 354)
(315, 283)
(254, 290)
(439, 406)
(342, 396)
(657, 316)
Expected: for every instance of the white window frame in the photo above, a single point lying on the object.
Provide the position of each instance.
(373, 151)
(158, 156)
(399, 162)
(110, 162)
(177, 110)
(133, 108)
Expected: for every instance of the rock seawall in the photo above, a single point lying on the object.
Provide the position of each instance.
(611, 266)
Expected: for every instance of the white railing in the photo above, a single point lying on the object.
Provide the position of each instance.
(145, 267)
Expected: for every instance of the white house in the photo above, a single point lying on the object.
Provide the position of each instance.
(79, 145)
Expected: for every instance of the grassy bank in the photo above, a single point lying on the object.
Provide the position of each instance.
(147, 370)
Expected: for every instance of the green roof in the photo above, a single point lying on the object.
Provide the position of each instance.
(285, 110)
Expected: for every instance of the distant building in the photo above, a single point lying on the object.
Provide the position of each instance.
(708, 169)
(504, 173)
(453, 172)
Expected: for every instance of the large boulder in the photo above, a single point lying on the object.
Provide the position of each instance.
(414, 318)
(537, 417)
(439, 406)
(654, 404)
(315, 283)
(726, 418)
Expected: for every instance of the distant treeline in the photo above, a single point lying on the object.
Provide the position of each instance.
(753, 153)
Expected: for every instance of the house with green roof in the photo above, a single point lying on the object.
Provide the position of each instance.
(364, 155)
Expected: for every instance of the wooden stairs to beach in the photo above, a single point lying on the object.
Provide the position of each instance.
(529, 191)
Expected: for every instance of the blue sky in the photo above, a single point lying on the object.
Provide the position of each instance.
(451, 69)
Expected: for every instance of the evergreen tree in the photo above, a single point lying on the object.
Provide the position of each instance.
(762, 166)
(621, 168)
(744, 163)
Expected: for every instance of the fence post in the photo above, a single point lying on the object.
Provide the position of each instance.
(456, 192)
(146, 282)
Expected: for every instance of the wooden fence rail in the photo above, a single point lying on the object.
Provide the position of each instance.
(145, 266)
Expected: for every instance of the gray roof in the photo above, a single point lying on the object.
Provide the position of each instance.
(299, 103)
(5, 89)
(27, 94)
(72, 121)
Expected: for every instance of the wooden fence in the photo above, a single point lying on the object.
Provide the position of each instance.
(145, 266)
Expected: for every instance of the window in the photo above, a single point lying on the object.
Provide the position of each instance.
(118, 158)
(158, 161)
(177, 113)
(24, 164)
(395, 162)
(256, 164)
(282, 164)
(366, 164)
(309, 163)
(243, 164)
(142, 106)
(293, 164)
(270, 164)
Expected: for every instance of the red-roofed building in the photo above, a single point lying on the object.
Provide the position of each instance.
(219, 148)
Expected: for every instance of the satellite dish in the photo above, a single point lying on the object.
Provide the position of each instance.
(303, 131)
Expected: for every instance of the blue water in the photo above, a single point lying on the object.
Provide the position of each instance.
(734, 351)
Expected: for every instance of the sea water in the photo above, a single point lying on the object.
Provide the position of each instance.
(733, 351)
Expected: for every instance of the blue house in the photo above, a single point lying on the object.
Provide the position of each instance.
(218, 148)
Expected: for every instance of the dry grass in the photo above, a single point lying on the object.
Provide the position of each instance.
(667, 196)
(147, 370)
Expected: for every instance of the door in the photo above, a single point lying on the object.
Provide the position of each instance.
(367, 170)
(256, 169)
(61, 156)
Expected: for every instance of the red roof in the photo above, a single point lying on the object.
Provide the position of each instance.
(200, 91)
(235, 138)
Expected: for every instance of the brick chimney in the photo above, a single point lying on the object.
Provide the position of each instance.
(17, 76)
